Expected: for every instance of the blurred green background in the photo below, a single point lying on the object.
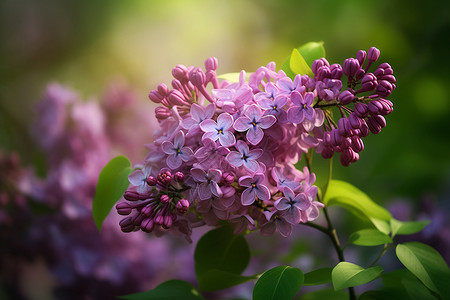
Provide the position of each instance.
(84, 44)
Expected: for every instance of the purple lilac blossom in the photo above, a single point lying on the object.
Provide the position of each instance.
(254, 122)
(253, 132)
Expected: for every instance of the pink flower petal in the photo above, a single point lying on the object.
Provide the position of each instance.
(248, 197)
(266, 122)
(227, 139)
(235, 159)
(204, 191)
(173, 161)
(242, 124)
(208, 125)
(254, 135)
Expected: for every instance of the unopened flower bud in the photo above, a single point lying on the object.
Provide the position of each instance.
(361, 110)
(322, 73)
(123, 208)
(126, 224)
(147, 225)
(182, 206)
(151, 181)
(211, 64)
(363, 129)
(374, 127)
(162, 113)
(155, 96)
(357, 144)
(159, 219)
(176, 98)
(319, 63)
(387, 107)
(164, 199)
(360, 74)
(368, 83)
(344, 127)
(146, 211)
(164, 177)
(373, 54)
(162, 89)
(361, 56)
(383, 69)
(135, 196)
(180, 72)
(375, 107)
(178, 177)
(336, 71)
(197, 77)
(348, 156)
(384, 88)
(355, 120)
(336, 138)
(137, 219)
(350, 67)
(228, 177)
(346, 97)
(167, 222)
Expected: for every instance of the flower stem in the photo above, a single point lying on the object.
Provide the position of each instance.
(330, 231)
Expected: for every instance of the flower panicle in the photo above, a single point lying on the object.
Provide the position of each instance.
(227, 151)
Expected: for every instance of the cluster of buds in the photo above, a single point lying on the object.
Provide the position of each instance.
(156, 203)
(362, 104)
(237, 145)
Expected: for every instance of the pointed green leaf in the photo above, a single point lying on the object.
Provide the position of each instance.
(214, 280)
(309, 53)
(346, 275)
(221, 250)
(427, 265)
(279, 283)
(298, 64)
(312, 51)
(319, 276)
(112, 184)
(169, 290)
(344, 194)
(399, 227)
(406, 285)
(382, 225)
(369, 237)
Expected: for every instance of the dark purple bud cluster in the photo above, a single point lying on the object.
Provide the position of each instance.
(156, 209)
(368, 111)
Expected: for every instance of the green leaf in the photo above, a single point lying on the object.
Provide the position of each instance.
(326, 294)
(312, 51)
(221, 250)
(214, 280)
(382, 225)
(279, 283)
(169, 290)
(399, 227)
(344, 194)
(346, 275)
(319, 276)
(369, 237)
(112, 184)
(405, 285)
(308, 53)
(427, 265)
(298, 64)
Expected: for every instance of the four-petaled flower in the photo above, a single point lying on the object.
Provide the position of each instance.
(254, 122)
(208, 182)
(139, 178)
(254, 189)
(219, 130)
(294, 206)
(177, 153)
(244, 156)
(302, 107)
(198, 114)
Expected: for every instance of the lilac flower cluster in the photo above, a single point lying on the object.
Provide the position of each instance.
(233, 157)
